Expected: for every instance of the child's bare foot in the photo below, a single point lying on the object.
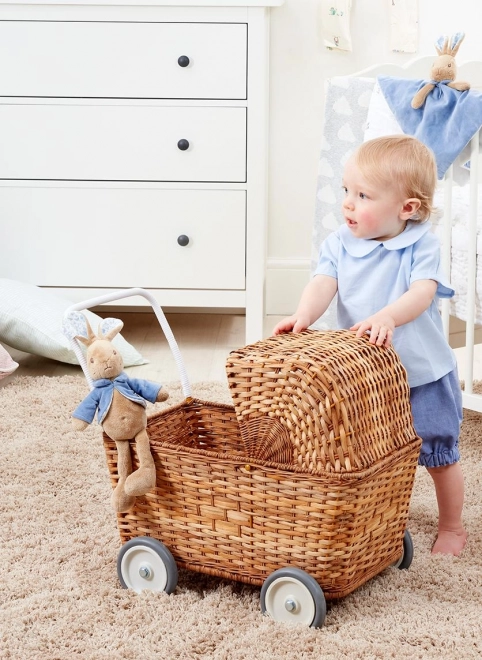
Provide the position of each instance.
(450, 542)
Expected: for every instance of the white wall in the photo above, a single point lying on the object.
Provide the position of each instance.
(299, 65)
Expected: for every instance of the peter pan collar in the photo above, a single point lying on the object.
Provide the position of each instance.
(361, 247)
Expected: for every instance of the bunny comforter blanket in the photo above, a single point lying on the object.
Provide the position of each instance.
(445, 123)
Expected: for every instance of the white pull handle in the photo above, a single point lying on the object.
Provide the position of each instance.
(119, 295)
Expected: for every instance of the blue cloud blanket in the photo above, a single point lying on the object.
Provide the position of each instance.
(446, 122)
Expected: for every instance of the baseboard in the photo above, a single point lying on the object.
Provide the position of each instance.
(105, 310)
(285, 281)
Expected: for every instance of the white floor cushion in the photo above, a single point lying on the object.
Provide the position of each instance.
(31, 321)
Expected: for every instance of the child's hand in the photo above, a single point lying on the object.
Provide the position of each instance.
(294, 323)
(380, 326)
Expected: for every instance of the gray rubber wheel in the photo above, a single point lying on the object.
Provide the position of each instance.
(292, 595)
(146, 563)
(407, 555)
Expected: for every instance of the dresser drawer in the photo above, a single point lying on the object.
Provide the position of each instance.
(123, 60)
(106, 237)
(122, 143)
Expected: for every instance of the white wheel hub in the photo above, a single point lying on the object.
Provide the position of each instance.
(287, 599)
(142, 568)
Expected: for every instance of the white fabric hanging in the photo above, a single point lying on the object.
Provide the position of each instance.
(404, 26)
(335, 24)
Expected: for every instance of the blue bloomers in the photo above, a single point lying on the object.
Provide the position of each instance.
(437, 416)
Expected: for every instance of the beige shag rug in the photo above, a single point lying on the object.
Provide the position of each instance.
(61, 598)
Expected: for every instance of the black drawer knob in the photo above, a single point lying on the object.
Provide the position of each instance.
(183, 145)
(183, 240)
(183, 61)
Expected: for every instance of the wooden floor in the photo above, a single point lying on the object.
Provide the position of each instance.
(204, 340)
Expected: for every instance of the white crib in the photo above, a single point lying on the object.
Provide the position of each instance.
(472, 72)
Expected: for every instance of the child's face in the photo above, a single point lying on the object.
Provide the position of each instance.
(371, 211)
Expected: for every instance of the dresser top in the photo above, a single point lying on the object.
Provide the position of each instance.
(152, 3)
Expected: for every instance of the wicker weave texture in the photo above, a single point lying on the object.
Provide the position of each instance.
(334, 402)
(219, 514)
(313, 467)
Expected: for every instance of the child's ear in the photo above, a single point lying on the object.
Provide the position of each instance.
(410, 208)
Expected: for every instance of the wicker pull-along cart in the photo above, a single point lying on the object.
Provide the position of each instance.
(302, 487)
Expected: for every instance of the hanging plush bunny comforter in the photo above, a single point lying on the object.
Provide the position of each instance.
(446, 122)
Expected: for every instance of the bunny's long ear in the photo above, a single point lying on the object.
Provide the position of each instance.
(109, 328)
(76, 326)
(442, 44)
(455, 43)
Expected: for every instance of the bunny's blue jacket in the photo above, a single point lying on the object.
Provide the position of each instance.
(100, 397)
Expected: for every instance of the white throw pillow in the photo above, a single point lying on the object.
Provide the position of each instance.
(31, 321)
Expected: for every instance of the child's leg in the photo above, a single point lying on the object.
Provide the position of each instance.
(449, 489)
(437, 416)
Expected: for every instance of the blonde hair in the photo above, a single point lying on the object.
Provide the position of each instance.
(403, 162)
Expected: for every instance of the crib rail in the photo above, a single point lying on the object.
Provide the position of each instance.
(470, 400)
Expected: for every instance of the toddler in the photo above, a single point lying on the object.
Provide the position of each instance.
(384, 264)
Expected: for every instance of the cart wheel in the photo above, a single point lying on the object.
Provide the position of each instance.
(290, 594)
(407, 555)
(146, 563)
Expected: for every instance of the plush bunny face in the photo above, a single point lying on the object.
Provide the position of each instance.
(444, 68)
(104, 360)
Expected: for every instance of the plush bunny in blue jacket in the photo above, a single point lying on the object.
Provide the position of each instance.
(120, 403)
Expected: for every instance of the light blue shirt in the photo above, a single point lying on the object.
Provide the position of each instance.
(372, 274)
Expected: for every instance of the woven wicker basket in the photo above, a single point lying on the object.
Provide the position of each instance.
(326, 401)
(312, 467)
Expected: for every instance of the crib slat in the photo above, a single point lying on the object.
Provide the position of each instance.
(471, 266)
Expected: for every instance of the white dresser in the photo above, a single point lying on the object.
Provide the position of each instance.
(133, 150)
